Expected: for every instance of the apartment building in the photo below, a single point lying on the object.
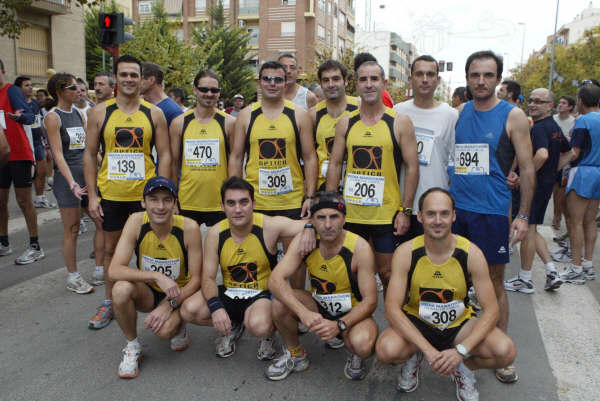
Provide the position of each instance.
(54, 39)
(301, 27)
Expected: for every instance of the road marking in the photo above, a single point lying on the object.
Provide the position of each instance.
(18, 223)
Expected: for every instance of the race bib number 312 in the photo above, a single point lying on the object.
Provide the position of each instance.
(472, 159)
(126, 166)
(334, 304)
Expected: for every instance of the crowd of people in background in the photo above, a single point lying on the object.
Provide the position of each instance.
(422, 199)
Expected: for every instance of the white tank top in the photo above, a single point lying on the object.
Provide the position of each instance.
(300, 99)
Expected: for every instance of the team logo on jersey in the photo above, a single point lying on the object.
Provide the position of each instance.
(324, 268)
(502, 249)
(367, 157)
(329, 145)
(437, 295)
(271, 148)
(322, 286)
(367, 134)
(240, 251)
(129, 137)
(202, 131)
(272, 127)
(161, 246)
(438, 274)
(244, 272)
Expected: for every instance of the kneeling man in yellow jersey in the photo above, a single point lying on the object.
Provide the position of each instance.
(245, 246)
(343, 292)
(427, 305)
(168, 251)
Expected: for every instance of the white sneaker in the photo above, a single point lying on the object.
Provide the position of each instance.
(563, 255)
(43, 203)
(30, 255)
(408, 380)
(335, 343)
(97, 277)
(130, 365)
(465, 384)
(589, 273)
(226, 344)
(82, 227)
(519, 284)
(266, 351)
(181, 340)
(5, 250)
(79, 286)
(570, 275)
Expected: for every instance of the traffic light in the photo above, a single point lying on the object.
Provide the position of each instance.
(442, 64)
(111, 29)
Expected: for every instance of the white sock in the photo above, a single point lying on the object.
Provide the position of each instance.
(550, 268)
(525, 274)
(73, 276)
(576, 268)
(100, 269)
(39, 198)
(108, 301)
(586, 264)
(134, 343)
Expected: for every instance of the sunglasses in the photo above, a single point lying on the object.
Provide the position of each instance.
(538, 101)
(589, 82)
(268, 79)
(205, 89)
(71, 88)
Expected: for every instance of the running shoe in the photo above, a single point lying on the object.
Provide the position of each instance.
(82, 227)
(408, 380)
(43, 203)
(226, 344)
(130, 364)
(473, 301)
(79, 285)
(565, 243)
(5, 250)
(465, 383)
(561, 237)
(571, 276)
(589, 272)
(506, 375)
(30, 255)
(563, 255)
(517, 284)
(355, 368)
(266, 351)
(97, 277)
(335, 343)
(553, 282)
(181, 340)
(103, 316)
(286, 364)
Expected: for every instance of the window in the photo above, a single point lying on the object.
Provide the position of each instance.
(328, 37)
(225, 3)
(342, 20)
(145, 7)
(288, 28)
(253, 31)
(288, 2)
(322, 5)
(328, 8)
(321, 32)
(200, 5)
(33, 51)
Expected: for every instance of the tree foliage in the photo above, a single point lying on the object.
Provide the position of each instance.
(324, 53)
(11, 27)
(576, 62)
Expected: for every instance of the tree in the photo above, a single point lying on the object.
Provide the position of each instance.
(10, 25)
(324, 53)
(93, 50)
(225, 50)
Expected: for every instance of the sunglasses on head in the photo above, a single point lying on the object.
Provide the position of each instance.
(268, 79)
(205, 89)
(71, 88)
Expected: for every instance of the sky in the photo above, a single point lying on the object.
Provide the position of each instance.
(451, 30)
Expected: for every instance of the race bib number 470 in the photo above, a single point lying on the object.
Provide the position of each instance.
(168, 267)
(334, 304)
(364, 190)
(126, 166)
(275, 182)
(472, 159)
(202, 152)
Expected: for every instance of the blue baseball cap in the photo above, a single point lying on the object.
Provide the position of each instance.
(160, 182)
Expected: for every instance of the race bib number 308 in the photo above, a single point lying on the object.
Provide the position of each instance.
(126, 166)
(168, 267)
(202, 152)
(472, 159)
(364, 190)
(441, 315)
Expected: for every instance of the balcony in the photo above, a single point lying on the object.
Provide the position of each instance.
(248, 9)
(50, 7)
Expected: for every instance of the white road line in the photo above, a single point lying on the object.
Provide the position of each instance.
(18, 223)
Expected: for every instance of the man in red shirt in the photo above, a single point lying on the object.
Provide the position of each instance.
(14, 112)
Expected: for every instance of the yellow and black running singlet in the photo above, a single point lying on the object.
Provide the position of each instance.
(332, 283)
(204, 152)
(437, 294)
(246, 266)
(273, 166)
(371, 187)
(126, 141)
(168, 257)
(325, 133)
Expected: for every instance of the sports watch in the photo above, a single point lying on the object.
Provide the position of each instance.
(341, 325)
(462, 351)
(173, 303)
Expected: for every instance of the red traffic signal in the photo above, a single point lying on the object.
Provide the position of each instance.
(111, 29)
(108, 22)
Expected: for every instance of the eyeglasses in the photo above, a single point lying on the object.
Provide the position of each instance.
(268, 79)
(71, 88)
(538, 101)
(589, 82)
(206, 89)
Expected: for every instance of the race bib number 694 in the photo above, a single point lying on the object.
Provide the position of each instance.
(472, 159)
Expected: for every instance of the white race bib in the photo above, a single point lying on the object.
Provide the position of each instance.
(202, 152)
(334, 304)
(168, 267)
(275, 182)
(324, 168)
(425, 140)
(364, 190)
(76, 138)
(126, 166)
(38, 121)
(472, 159)
(241, 293)
(2, 120)
(441, 315)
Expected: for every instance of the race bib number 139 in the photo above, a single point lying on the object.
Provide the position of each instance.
(126, 166)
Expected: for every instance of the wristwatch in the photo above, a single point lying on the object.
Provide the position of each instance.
(341, 325)
(462, 351)
(406, 211)
(173, 303)
(309, 225)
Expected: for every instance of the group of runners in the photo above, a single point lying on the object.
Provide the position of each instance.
(419, 194)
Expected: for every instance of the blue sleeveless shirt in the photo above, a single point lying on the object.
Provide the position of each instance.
(482, 160)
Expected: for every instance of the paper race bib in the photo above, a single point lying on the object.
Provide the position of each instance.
(441, 315)
(334, 304)
(364, 190)
(76, 138)
(241, 293)
(425, 140)
(275, 182)
(126, 166)
(472, 159)
(202, 152)
(168, 267)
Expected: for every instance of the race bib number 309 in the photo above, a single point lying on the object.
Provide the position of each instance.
(126, 166)
(168, 267)
(275, 182)
(472, 159)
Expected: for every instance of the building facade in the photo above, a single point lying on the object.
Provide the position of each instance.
(54, 39)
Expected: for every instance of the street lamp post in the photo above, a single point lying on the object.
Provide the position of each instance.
(523, 42)
(550, 78)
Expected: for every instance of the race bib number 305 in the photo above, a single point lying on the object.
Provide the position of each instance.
(202, 152)
(76, 138)
(168, 267)
(126, 166)
(275, 182)
(472, 159)
(334, 304)
(441, 315)
(364, 190)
